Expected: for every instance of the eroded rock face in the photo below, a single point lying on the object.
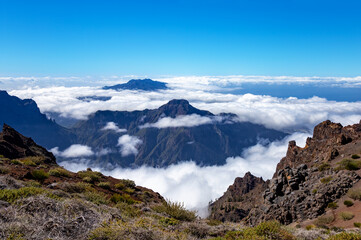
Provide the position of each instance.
(299, 190)
(14, 145)
(239, 198)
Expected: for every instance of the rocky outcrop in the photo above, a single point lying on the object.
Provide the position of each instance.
(306, 180)
(239, 199)
(14, 145)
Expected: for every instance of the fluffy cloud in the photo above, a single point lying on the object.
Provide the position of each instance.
(113, 126)
(196, 186)
(128, 145)
(289, 114)
(192, 120)
(74, 151)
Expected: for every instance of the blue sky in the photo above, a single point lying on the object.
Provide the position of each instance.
(180, 37)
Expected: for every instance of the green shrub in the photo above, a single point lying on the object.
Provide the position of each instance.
(357, 224)
(346, 215)
(176, 210)
(96, 197)
(127, 209)
(78, 187)
(346, 236)
(90, 176)
(314, 191)
(349, 164)
(28, 162)
(4, 170)
(355, 156)
(129, 190)
(354, 194)
(326, 180)
(116, 198)
(168, 221)
(324, 166)
(11, 195)
(324, 220)
(39, 175)
(124, 183)
(59, 172)
(348, 203)
(16, 162)
(332, 205)
(309, 227)
(214, 222)
(105, 185)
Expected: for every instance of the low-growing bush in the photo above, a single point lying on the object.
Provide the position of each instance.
(39, 175)
(90, 176)
(124, 183)
(349, 164)
(127, 209)
(11, 195)
(357, 224)
(309, 227)
(348, 203)
(324, 220)
(96, 197)
(214, 222)
(332, 205)
(314, 191)
(354, 194)
(346, 215)
(4, 170)
(326, 180)
(78, 187)
(346, 236)
(324, 166)
(105, 185)
(355, 156)
(28, 162)
(176, 210)
(168, 221)
(16, 162)
(59, 172)
(116, 198)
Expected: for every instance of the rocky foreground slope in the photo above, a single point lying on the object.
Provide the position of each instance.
(41, 200)
(318, 184)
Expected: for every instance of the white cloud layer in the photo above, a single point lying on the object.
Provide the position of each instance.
(196, 186)
(113, 126)
(192, 120)
(128, 145)
(74, 151)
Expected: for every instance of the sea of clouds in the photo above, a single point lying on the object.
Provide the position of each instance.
(186, 182)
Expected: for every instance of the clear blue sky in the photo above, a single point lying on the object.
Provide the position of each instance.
(180, 37)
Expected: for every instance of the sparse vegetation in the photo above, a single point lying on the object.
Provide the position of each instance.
(124, 183)
(11, 195)
(78, 187)
(39, 175)
(348, 203)
(326, 180)
(4, 170)
(324, 166)
(357, 224)
(354, 194)
(105, 185)
(176, 210)
(346, 215)
(349, 164)
(59, 172)
(116, 198)
(332, 205)
(309, 227)
(324, 220)
(90, 176)
(346, 236)
(96, 197)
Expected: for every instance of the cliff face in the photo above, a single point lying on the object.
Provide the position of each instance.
(14, 145)
(306, 179)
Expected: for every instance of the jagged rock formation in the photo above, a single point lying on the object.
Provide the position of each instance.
(206, 144)
(306, 180)
(14, 145)
(239, 199)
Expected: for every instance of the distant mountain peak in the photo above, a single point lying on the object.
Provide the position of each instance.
(178, 107)
(139, 84)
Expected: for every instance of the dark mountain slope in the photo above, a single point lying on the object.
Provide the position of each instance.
(25, 116)
(139, 84)
(206, 144)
